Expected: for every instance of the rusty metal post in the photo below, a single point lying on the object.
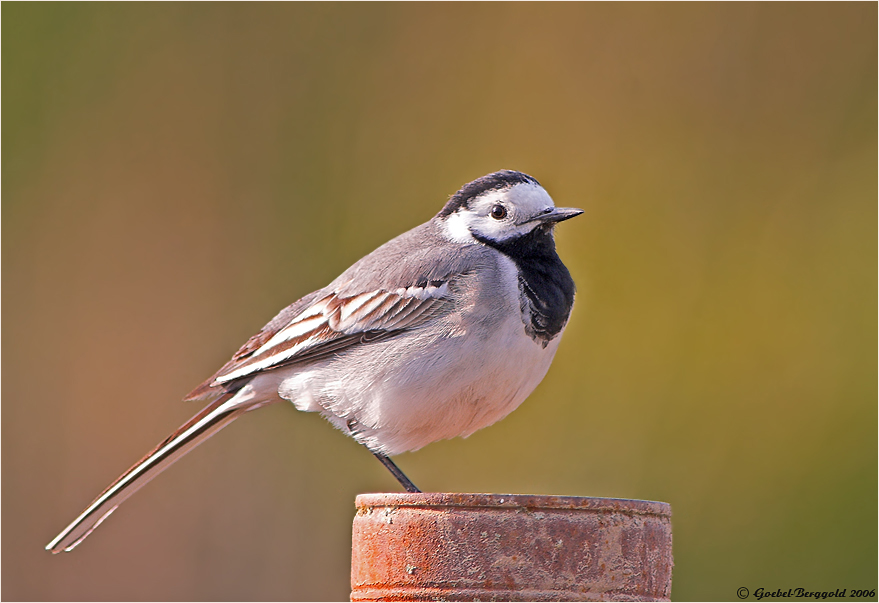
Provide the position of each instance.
(499, 547)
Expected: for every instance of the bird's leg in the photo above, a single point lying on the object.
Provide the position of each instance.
(401, 477)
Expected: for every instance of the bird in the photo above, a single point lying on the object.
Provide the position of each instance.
(438, 333)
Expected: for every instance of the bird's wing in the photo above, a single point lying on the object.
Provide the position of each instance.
(330, 323)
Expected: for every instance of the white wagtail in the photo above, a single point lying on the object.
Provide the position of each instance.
(437, 333)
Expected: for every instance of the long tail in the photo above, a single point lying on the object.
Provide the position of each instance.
(206, 423)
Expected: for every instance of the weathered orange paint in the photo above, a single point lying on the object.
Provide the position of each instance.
(509, 547)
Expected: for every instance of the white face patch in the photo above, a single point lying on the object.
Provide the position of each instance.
(457, 228)
(522, 204)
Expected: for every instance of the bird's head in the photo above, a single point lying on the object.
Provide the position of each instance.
(500, 208)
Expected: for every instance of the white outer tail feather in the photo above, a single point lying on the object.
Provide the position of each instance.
(199, 428)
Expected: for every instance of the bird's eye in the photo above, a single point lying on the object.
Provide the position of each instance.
(498, 212)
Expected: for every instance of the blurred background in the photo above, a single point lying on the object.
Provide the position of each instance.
(173, 175)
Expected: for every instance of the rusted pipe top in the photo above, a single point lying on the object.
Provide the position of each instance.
(512, 501)
(514, 547)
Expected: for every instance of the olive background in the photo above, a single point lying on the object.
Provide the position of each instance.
(175, 174)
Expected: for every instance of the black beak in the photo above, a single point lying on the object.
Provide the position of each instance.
(559, 214)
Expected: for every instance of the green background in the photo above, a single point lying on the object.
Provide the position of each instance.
(173, 175)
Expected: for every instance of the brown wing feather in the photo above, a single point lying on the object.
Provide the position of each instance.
(209, 389)
(341, 323)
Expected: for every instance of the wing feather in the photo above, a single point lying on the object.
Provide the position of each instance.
(332, 323)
